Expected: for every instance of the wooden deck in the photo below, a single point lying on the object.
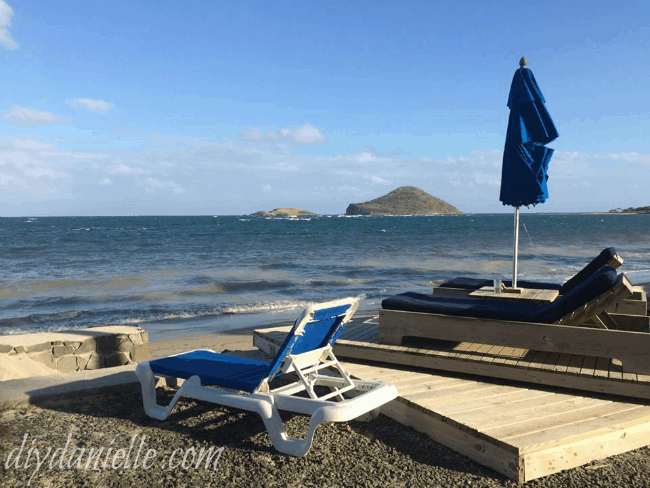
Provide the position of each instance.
(523, 431)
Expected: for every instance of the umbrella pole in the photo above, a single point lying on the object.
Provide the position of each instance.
(516, 249)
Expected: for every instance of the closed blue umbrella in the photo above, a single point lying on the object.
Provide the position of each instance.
(525, 156)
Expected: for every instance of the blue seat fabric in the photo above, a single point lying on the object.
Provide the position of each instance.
(214, 369)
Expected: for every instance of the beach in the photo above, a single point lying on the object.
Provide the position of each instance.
(377, 453)
(207, 282)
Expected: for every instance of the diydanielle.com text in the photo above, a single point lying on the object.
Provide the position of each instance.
(135, 456)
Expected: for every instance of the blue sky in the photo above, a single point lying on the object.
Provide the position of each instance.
(212, 108)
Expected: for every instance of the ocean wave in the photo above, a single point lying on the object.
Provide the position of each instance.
(40, 318)
(234, 286)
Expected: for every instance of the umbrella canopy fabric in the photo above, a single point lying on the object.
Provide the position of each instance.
(525, 156)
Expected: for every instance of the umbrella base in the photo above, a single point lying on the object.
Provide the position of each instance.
(506, 289)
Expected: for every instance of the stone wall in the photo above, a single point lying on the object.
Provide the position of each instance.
(75, 350)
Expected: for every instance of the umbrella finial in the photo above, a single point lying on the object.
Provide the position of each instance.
(523, 62)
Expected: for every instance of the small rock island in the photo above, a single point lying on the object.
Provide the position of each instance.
(284, 212)
(405, 200)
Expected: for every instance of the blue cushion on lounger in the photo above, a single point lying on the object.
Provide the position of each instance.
(594, 286)
(598, 262)
(214, 369)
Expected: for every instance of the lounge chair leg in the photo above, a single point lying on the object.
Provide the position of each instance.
(281, 441)
(148, 387)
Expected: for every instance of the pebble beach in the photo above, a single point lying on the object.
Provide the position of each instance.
(381, 452)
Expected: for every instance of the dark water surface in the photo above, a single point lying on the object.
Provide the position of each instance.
(205, 274)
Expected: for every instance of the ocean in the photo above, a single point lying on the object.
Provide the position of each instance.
(189, 275)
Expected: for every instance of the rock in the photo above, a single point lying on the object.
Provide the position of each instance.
(44, 357)
(96, 361)
(46, 346)
(88, 345)
(116, 359)
(67, 364)
(405, 200)
(5, 348)
(283, 212)
(58, 351)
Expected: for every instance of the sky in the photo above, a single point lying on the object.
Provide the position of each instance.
(226, 108)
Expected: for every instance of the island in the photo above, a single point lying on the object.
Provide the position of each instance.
(284, 212)
(405, 200)
(631, 210)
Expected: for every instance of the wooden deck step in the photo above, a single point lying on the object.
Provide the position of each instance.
(524, 431)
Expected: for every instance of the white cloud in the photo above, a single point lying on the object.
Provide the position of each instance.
(105, 181)
(5, 21)
(30, 145)
(30, 117)
(369, 156)
(123, 169)
(265, 188)
(95, 106)
(305, 135)
(154, 184)
(376, 180)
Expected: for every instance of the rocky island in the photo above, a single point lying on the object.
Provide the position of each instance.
(631, 210)
(405, 200)
(284, 212)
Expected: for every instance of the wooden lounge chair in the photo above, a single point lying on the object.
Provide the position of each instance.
(562, 326)
(462, 286)
(246, 383)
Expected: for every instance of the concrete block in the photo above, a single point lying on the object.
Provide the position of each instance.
(5, 348)
(20, 349)
(88, 345)
(61, 350)
(67, 364)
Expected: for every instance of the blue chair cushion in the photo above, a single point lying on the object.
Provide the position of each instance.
(214, 369)
(498, 309)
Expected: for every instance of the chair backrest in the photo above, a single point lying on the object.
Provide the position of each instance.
(595, 285)
(318, 325)
(607, 257)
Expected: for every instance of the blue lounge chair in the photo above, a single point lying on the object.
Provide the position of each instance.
(587, 301)
(245, 383)
(607, 257)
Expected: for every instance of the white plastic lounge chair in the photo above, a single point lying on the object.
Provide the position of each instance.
(244, 383)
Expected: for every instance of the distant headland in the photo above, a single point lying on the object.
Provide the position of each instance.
(283, 212)
(405, 200)
(631, 210)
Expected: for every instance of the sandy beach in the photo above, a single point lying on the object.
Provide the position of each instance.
(378, 453)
